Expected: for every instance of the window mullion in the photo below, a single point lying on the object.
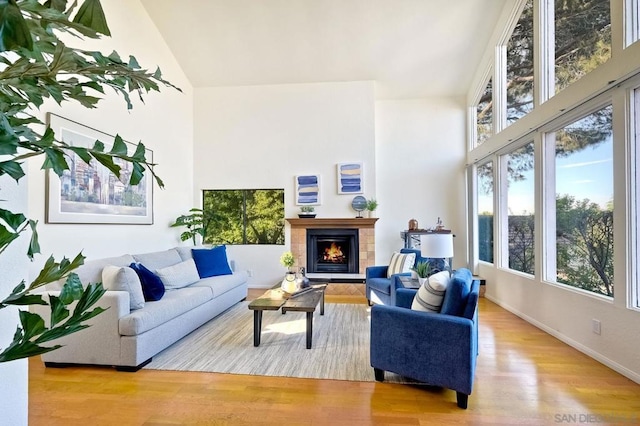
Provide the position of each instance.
(543, 51)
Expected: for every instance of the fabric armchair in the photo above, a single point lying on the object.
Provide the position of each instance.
(379, 288)
(439, 349)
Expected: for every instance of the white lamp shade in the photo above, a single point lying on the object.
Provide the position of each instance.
(436, 246)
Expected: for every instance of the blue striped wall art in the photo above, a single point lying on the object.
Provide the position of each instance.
(307, 190)
(350, 178)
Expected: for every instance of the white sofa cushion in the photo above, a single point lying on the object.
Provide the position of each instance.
(158, 259)
(91, 271)
(179, 275)
(123, 278)
(220, 284)
(172, 305)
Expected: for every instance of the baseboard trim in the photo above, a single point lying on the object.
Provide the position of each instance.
(574, 344)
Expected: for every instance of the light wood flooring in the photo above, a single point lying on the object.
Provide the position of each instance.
(524, 377)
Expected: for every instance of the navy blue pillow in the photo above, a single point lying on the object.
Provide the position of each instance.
(211, 262)
(152, 286)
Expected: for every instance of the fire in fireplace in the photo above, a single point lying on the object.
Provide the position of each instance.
(332, 250)
(333, 254)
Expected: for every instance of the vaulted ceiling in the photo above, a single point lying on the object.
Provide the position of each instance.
(410, 48)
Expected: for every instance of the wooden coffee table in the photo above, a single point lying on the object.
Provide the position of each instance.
(274, 299)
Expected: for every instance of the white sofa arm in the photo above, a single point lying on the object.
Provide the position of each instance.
(98, 344)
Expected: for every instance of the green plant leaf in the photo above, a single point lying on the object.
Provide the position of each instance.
(14, 31)
(34, 245)
(59, 311)
(14, 220)
(24, 349)
(12, 168)
(55, 160)
(59, 5)
(32, 324)
(71, 290)
(92, 16)
(6, 237)
(53, 271)
(119, 147)
(82, 153)
(107, 161)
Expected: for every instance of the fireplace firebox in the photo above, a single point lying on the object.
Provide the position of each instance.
(332, 250)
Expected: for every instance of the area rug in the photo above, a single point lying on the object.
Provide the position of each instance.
(225, 345)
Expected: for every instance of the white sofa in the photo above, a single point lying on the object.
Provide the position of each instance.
(128, 339)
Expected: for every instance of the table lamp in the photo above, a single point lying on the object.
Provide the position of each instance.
(437, 246)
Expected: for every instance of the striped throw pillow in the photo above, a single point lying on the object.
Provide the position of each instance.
(429, 296)
(400, 262)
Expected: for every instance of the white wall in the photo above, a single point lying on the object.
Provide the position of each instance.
(164, 123)
(13, 264)
(420, 159)
(262, 136)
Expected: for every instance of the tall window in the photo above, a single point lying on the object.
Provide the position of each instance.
(484, 115)
(584, 203)
(582, 38)
(520, 66)
(244, 216)
(485, 211)
(520, 209)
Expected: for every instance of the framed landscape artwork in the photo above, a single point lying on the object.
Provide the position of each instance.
(350, 178)
(308, 190)
(90, 193)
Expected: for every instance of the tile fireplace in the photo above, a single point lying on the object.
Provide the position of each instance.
(334, 248)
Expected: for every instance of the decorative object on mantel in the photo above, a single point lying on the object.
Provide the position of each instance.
(359, 204)
(289, 283)
(372, 205)
(307, 212)
(350, 177)
(307, 190)
(413, 225)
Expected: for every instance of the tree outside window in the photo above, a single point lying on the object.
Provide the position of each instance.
(582, 38)
(244, 216)
(520, 66)
(584, 203)
(485, 211)
(520, 206)
(484, 115)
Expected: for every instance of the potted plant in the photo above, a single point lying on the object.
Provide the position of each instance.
(289, 284)
(372, 205)
(423, 270)
(195, 225)
(307, 212)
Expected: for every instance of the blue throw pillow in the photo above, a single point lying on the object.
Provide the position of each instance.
(455, 298)
(152, 286)
(211, 262)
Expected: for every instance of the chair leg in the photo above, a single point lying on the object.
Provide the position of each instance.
(462, 399)
(379, 374)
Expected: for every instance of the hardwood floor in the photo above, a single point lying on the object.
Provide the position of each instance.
(524, 377)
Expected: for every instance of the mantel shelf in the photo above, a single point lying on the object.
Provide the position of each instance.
(335, 222)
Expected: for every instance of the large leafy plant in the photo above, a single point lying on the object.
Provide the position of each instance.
(194, 222)
(36, 65)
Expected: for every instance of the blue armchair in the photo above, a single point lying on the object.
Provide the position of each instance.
(439, 349)
(382, 290)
